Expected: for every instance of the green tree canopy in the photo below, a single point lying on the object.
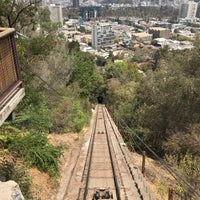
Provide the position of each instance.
(17, 14)
(84, 73)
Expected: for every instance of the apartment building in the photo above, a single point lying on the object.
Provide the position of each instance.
(56, 14)
(75, 3)
(158, 32)
(102, 35)
(188, 10)
(198, 11)
(143, 36)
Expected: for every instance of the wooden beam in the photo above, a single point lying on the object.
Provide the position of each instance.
(11, 104)
(6, 31)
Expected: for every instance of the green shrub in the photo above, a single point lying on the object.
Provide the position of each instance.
(77, 118)
(36, 151)
(33, 113)
(11, 169)
(71, 115)
(21, 176)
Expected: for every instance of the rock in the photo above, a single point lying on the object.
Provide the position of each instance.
(10, 191)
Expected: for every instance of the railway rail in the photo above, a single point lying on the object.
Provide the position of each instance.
(105, 169)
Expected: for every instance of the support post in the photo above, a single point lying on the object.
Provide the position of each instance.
(171, 193)
(143, 163)
(11, 117)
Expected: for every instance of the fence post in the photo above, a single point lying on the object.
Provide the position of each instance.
(143, 163)
(171, 193)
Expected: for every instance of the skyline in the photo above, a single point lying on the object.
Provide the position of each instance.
(174, 3)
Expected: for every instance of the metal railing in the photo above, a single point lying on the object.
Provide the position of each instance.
(10, 78)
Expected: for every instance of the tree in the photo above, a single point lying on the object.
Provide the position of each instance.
(18, 14)
(100, 61)
(121, 87)
(83, 73)
(169, 97)
(73, 46)
(33, 112)
(165, 101)
(123, 71)
(46, 25)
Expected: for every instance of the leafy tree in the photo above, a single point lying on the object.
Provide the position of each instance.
(123, 71)
(162, 107)
(17, 14)
(176, 144)
(167, 98)
(73, 46)
(46, 25)
(84, 73)
(142, 12)
(49, 81)
(77, 119)
(71, 113)
(121, 88)
(33, 112)
(100, 61)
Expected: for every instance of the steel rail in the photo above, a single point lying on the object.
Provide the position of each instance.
(111, 158)
(108, 171)
(124, 156)
(90, 153)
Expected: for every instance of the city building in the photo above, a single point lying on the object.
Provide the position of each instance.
(75, 3)
(89, 12)
(158, 32)
(63, 3)
(143, 36)
(188, 11)
(102, 35)
(83, 38)
(174, 44)
(56, 14)
(198, 11)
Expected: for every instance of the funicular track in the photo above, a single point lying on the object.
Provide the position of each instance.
(100, 174)
(108, 171)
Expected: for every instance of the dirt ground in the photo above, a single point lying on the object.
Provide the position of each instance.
(45, 188)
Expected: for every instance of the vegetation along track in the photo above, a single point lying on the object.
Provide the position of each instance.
(108, 170)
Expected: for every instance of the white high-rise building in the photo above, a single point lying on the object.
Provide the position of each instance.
(102, 35)
(56, 2)
(192, 9)
(188, 10)
(56, 14)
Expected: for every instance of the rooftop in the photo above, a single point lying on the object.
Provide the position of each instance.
(158, 28)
